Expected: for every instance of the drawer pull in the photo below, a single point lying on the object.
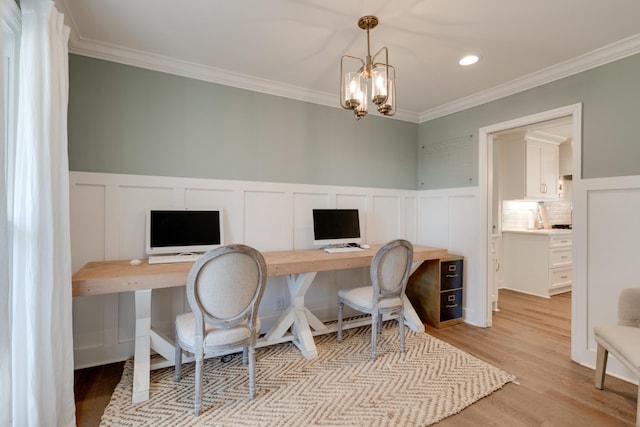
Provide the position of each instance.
(564, 277)
(451, 298)
(451, 305)
(451, 275)
(564, 257)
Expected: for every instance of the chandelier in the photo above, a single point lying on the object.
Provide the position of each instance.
(376, 78)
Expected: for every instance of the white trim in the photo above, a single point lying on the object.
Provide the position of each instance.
(584, 248)
(136, 58)
(605, 55)
(485, 184)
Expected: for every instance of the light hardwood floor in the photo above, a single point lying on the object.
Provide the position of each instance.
(530, 338)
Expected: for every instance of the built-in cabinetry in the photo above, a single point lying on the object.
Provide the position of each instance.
(435, 291)
(529, 166)
(537, 262)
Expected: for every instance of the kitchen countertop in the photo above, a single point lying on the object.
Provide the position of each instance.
(542, 232)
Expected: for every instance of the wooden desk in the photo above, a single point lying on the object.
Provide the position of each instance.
(295, 324)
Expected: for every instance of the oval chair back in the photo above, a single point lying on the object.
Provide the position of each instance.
(224, 290)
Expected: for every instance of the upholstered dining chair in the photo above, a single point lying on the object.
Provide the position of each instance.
(621, 340)
(389, 275)
(224, 289)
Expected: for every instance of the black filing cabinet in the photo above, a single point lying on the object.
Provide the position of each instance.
(435, 291)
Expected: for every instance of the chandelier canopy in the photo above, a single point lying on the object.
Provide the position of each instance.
(368, 76)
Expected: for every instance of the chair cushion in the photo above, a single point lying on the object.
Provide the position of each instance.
(186, 327)
(363, 298)
(621, 341)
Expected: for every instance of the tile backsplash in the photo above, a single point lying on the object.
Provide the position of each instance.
(515, 213)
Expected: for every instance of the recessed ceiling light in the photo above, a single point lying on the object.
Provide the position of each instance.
(468, 60)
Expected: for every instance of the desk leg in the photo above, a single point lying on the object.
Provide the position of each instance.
(298, 318)
(141, 360)
(411, 318)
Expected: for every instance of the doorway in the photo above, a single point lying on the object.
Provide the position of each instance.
(573, 114)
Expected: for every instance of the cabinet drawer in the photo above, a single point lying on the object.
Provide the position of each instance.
(560, 257)
(560, 277)
(558, 241)
(451, 275)
(450, 305)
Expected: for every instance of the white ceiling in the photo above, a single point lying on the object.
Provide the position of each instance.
(292, 48)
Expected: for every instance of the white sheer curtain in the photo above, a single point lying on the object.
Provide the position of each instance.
(41, 343)
(5, 336)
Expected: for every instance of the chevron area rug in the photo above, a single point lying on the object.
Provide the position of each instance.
(342, 387)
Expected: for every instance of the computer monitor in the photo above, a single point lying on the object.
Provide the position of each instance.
(336, 226)
(183, 231)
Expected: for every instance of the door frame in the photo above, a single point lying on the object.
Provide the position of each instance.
(485, 182)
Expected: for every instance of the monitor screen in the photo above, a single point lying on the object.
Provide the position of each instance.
(180, 231)
(336, 226)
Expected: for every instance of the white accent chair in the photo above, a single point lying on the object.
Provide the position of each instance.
(389, 275)
(224, 289)
(621, 340)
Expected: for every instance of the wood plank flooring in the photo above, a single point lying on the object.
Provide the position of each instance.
(530, 338)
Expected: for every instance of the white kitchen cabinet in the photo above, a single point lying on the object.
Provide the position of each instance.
(529, 167)
(542, 170)
(537, 262)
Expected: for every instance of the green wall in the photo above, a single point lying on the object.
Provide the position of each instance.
(610, 97)
(130, 120)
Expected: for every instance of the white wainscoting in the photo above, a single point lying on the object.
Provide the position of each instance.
(449, 219)
(108, 223)
(606, 245)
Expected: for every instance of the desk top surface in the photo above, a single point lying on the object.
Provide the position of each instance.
(107, 277)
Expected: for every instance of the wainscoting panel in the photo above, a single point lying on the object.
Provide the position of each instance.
(87, 219)
(384, 222)
(610, 261)
(449, 219)
(108, 216)
(605, 259)
(267, 222)
(434, 213)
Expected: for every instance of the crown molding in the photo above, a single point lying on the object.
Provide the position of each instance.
(99, 50)
(613, 52)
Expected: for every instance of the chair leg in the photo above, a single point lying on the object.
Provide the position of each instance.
(401, 327)
(178, 363)
(252, 371)
(374, 334)
(244, 356)
(601, 366)
(340, 306)
(380, 324)
(197, 400)
(638, 409)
